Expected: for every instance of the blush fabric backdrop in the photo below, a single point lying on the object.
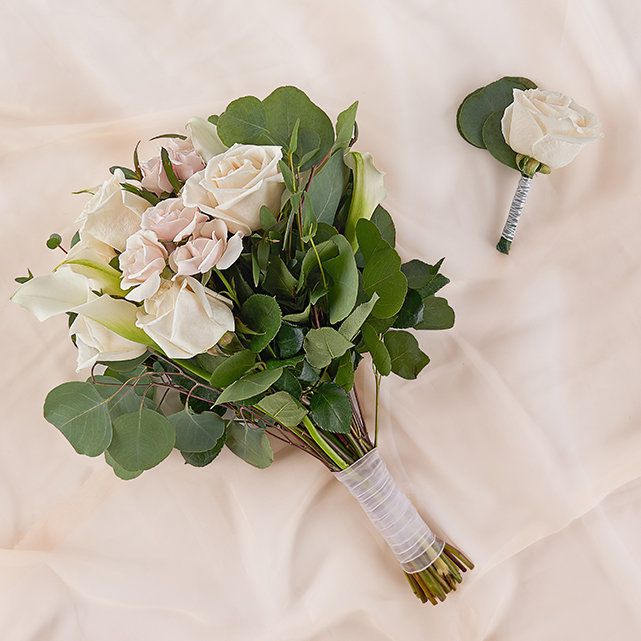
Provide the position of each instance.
(520, 442)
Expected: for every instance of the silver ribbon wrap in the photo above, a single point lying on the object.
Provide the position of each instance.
(516, 208)
(413, 543)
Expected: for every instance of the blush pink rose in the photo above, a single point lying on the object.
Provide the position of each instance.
(185, 161)
(210, 249)
(171, 221)
(141, 264)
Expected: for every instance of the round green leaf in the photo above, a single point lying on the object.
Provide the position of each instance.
(197, 432)
(437, 314)
(330, 409)
(495, 142)
(249, 386)
(250, 443)
(141, 439)
(232, 368)
(282, 407)
(81, 414)
(53, 242)
(323, 345)
(120, 471)
(289, 340)
(261, 314)
(412, 311)
(200, 459)
(476, 107)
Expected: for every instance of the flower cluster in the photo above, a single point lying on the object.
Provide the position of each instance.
(160, 239)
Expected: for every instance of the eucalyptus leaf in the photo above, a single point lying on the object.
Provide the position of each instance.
(323, 345)
(249, 386)
(120, 471)
(345, 126)
(141, 439)
(279, 280)
(122, 398)
(495, 142)
(249, 443)
(200, 459)
(82, 415)
(385, 225)
(407, 359)
(341, 296)
(352, 324)
(375, 346)
(382, 275)
(331, 409)
(411, 313)
(197, 432)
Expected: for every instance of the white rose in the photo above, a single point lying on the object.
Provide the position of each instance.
(112, 214)
(185, 319)
(548, 126)
(95, 342)
(236, 184)
(142, 263)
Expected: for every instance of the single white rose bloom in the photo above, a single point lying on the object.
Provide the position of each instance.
(112, 214)
(209, 249)
(184, 318)
(95, 342)
(236, 184)
(141, 264)
(172, 221)
(185, 162)
(548, 126)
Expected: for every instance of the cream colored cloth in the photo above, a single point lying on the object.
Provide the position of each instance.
(520, 442)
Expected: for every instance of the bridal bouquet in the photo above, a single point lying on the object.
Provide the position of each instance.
(224, 291)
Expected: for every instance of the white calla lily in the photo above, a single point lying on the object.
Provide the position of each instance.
(369, 191)
(204, 137)
(52, 294)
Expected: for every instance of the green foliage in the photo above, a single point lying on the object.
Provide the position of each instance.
(330, 408)
(352, 324)
(53, 242)
(424, 278)
(345, 126)
(200, 459)
(437, 314)
(24, 279)
(344, 376)
(323, 345)
(412, 311)
(120, 471)
(82, 415)
(174, 181)
(282, 407)
(250, 443)
(197, 432)
(341, 295)
(249, 386)
(262, 315)
(122, 398)
(494, 141)
(375, 346)
(289, 340)
(141, 439)
(272, 121)
(407, 359)
(385, 225)
(232, 368)
(326, 188)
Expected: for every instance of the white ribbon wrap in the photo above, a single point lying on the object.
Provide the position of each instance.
(369, 481)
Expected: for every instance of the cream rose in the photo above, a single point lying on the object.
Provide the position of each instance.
(185, 162)
(548, 126)
(141, 264)
(210, 249)
(184, 318)
(171, 221)
(236, 184)
(112, 214)
(95, 342)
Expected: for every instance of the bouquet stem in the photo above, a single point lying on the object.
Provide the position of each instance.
(516, 209)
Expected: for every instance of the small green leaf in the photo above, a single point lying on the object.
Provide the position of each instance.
(160, 136)
(382, 274)
(293, 139)
(341, 296)
(345, 126)
(495, 142)
(267, 218)
(24, 279)
(326, 188)
(82, 415)
(249, 443)
(437, 314)
(129, 174)
(350, 326)
(250, 385)
(197, 432)
(385, 225)
(149, 196)
(344, 376)
(279, 280)
(174, 181)
(141, 439)
(323, 345)
(53, 242)
(375, 346)
(200, 459)
(283, 408)
(122, 398)
(289, 383)
(407, 358)
(330, 408)
(289, 340)
(261, 314)
(232, 368)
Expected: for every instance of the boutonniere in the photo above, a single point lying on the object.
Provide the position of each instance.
(529, 129)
